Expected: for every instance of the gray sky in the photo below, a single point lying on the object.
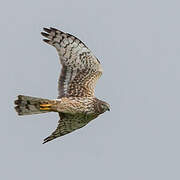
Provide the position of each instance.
(138, 44)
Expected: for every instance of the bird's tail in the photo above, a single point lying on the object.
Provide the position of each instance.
(26, 105)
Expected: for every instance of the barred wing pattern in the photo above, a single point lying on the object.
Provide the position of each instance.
(80, 68)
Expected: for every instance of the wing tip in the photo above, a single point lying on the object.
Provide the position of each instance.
(47, 41)
(47, 30)
(54, 29)
(50, 29)
(45, 34)
(44, 142)
(49, 138)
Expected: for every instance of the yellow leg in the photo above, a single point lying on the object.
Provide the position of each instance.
(45, 107)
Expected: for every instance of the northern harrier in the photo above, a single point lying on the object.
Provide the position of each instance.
(76, 103)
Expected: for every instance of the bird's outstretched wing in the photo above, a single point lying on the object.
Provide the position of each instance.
(80, 68)
(67, 124)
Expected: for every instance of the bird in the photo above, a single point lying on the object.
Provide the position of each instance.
(76, 102)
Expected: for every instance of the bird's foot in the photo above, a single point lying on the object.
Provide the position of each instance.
(45, 107)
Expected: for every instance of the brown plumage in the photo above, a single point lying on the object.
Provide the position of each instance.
(76, 103)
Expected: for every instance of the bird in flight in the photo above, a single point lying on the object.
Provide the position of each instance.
(76, 102)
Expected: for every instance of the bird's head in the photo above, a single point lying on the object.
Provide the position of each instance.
(103, 106)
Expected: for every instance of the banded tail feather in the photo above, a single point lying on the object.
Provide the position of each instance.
(27, 105)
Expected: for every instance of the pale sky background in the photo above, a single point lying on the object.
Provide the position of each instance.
(138, 44)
